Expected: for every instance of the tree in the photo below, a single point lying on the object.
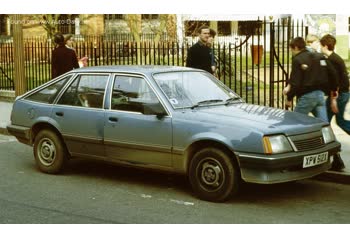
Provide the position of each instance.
(50, 23)
(167, 22)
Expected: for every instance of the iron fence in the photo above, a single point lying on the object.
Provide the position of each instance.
(254, 66)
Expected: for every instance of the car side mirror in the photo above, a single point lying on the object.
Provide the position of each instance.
(154, 109)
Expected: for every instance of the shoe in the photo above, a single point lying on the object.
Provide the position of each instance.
(337, 164)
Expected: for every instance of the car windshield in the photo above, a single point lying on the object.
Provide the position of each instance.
(191, 89)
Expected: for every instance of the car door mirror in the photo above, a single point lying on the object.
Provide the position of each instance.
(154, 109)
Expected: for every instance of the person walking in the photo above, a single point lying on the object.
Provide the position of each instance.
(199, 55)
(330, 89)
(312, 43)
(328, 43)
(309, 75)
(63, 59)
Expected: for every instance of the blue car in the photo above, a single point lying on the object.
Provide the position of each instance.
(173, 119)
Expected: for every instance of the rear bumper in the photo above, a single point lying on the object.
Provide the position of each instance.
(23, 134)
(268, 169)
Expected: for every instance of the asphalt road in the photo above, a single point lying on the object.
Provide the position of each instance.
(93, 192)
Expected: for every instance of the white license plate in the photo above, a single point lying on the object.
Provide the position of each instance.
(316, 159)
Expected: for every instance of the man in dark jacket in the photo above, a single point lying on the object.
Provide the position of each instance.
(63, 59)
(310, 77)
(199, 55)
(328, 43)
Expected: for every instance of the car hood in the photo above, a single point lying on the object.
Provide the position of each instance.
(263, 119)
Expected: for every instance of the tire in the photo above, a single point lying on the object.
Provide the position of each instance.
(50, 153)
(213, 175)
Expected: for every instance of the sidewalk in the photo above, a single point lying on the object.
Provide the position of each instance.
(342, 137)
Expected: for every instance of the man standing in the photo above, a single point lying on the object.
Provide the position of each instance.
(63, 59)
(199, 55)
(308, 77)
(327, 47)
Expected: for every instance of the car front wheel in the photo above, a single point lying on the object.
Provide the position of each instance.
(213, 175)
(49, 152)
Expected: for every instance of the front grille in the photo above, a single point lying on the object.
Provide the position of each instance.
(308, 141)
(309, 144)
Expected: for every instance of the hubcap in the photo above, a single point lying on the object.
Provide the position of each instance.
(46, 151)
(211, 174)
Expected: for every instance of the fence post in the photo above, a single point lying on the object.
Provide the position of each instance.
(272, 63)
(19, 76)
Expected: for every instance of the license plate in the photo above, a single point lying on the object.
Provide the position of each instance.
(316, 159)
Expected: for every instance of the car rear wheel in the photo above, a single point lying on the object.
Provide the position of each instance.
(49, 152)
(213, 175)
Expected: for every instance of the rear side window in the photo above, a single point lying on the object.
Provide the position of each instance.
(86, 91)
(48, 94)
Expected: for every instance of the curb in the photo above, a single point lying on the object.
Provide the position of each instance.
(4, 131)
(336, 177)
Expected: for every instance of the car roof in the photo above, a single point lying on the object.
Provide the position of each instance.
(141, 69)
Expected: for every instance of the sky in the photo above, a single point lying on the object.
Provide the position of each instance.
(268, 7)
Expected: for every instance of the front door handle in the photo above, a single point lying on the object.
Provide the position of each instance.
(60, 114)
(113, 119)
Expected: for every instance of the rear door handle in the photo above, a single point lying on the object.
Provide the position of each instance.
(113, 119)
(60, 114)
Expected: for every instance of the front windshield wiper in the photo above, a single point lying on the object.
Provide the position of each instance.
(206, 102)
(231, 99)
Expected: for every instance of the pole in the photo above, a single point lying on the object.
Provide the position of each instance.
(18, 48)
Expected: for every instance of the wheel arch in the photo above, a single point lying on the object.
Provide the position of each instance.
(37, 127)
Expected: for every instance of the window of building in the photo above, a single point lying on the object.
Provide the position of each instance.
(66, 23)
(3, 24)
(191, 27)
(224, 28)
(249, 27)
(113, 17)
(149, 16)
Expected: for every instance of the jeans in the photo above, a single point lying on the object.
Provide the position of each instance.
(342, 100)
(313, 102)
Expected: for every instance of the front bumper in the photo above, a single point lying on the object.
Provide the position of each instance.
(268, 169)
(23, 134)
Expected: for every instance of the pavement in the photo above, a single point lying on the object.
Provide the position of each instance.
(342, 137)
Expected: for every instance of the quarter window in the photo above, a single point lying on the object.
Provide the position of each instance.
(85, 91)
(48, 94)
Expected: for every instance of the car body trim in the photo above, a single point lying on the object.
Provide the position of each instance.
(153, 148)
(82, 138)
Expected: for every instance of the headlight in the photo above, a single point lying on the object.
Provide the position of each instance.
(328, 135)
(276, 144)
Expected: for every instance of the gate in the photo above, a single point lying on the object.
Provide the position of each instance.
(257, 65)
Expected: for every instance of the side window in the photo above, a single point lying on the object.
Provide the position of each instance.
(85, 91)
(133, 94)
(48, 94)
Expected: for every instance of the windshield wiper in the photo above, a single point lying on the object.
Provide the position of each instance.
(232, 99)
(206, 102)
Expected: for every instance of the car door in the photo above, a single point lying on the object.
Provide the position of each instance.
(79, 113)
(133, 132)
